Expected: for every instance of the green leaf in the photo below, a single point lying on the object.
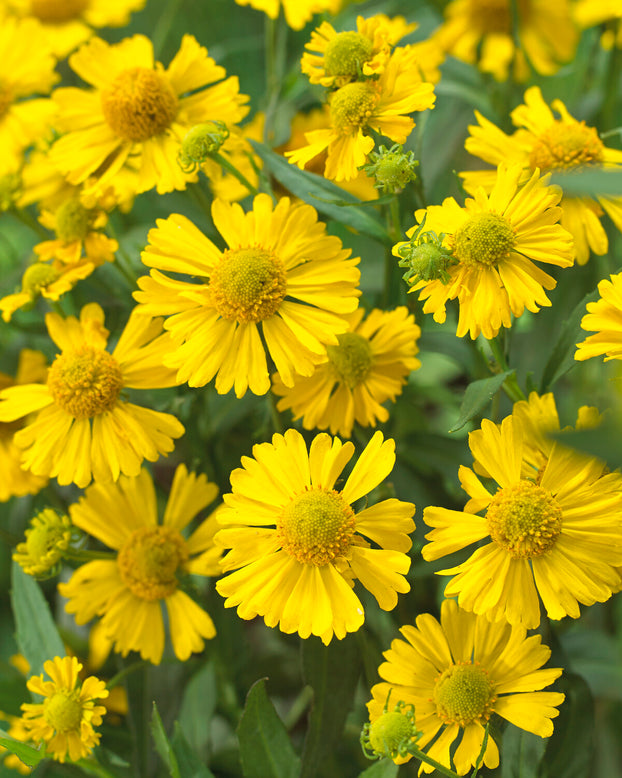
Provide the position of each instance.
(28, 755)
(604, 442)
(163, 747)
(265, 748)
(332, 671)
(328, 198)
(384, 768)
(590, 182)
(36, 633)
(190, 764)
(521, 753)
(197, 707)
(477, 395)
(12, 689)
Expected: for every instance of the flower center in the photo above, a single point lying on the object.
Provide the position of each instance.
(47, 536)
(72, 221)
(493, 16)
(485, 238)
(352, 358)
(248, 285)
(6, 99)
(464, 693)
(149, 561)
(346, 53)
(63, 711)
(389, 731)
(316, 526)
(85, 382)
(57, 10)
(139, 104)
(566, 146)
(524, 519)
(352, 105)
(38, 276)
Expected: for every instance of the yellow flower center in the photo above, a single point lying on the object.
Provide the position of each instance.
(6, 99)
(63, 711)
(139, 104)
(57, 10)
(346, 53)
(85, 382)
(566, 146)
(464, 693)
(38, 276)
(248, 285)
(316, 527)
(485, 238)
(352, 105)
(149, 561)
(389, 731)
(72, 221)
(352, 359)
(524, 519)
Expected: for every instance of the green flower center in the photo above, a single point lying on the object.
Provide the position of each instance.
(389, 731)
(139, 104)
(85, 382)
(38, 276)
(566, 146)
(72, 221)
(57, 10)
(346, 53)
(149, 561)
(524, 519)
(352, 106)
(49, 534)
(316, 527)
(485, 238)
(464, 693)
(248, 285)
(63, 711)
(352, 359)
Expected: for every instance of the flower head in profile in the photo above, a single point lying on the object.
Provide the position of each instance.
(460, 672)
(368, 366)
(552, 524)
(47, 538)
(296, 544)
(281, 277)
(551, 141)
(496, 240)
(603, 319)
(135, 116)
(66, 718)
(81, 427)
(297, 12)
(152, 558)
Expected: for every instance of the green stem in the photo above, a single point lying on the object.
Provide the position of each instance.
(124, 267)
(224, 162)
(276, 40)
(391, 282)
(277, 422)
(418, 754)
(83, 555)
(510, 385)
(299, 706)
(116, 679)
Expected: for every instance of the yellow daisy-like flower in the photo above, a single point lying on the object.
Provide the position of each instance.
(588, 13)
(459, 672)
(557, 534)
(81, 427)
(297, 12)
(381, 105)
(368, 366)
(296, 543)
(68, 23)
(548, 143)
(495, 240)
(135, 117)
(604, 317)
(281, 275)
(65, 720)
(481, 32)
(334, 59)
(129, 592)
(47, 537)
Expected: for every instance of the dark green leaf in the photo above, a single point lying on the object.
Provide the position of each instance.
(521, 753)
(28, 755)
(384, 768)
(603, 442)
(163, 747)
(190, 764)
(12, 689)
(36, 633)
(197, 707)
(326, 196)
(477, 395)
(590, 182)
(265, 748)
(596, 657)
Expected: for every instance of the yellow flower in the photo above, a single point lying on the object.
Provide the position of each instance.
(495, 240)
(47, 537)
(129, 591)
(65, 720)
(588, 13)
(457, 673)
(133, 121)
(297, 12)
(481, 32)
(548, 143)
(81, 427)
(368, 366)
(603, 317)
(556, 533)
(68, 23)
(281, 275)
(381, 105)
(296, 543)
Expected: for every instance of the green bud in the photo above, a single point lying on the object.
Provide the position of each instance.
(392, 169)
(425, 257)
(200, 143)
(392, 734)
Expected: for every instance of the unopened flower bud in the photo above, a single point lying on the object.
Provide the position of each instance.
(200, 143)
(391, 168)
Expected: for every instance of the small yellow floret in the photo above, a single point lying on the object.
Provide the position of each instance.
(464, 693)
(486, 238)
(346, 53)
(352, 358)
(352, 106)
(566, 146)
(149, 561)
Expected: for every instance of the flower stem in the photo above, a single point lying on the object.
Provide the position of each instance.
(116, 679)
(510, 385)
(418, 754)
(224, 163)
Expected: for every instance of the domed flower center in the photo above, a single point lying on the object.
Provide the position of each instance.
(6, 99)
(566, 146)
(139, 104)
(389, 731)
(464, 693)
(352, 105)
(352, 359)
(346, 53)
(85, 382)
(485, 238)
(248, 285)
(63, 711)
(57, 10)
(524, 519)
(72, 221)
(149, 561)
(316, 527)
(38, 276)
